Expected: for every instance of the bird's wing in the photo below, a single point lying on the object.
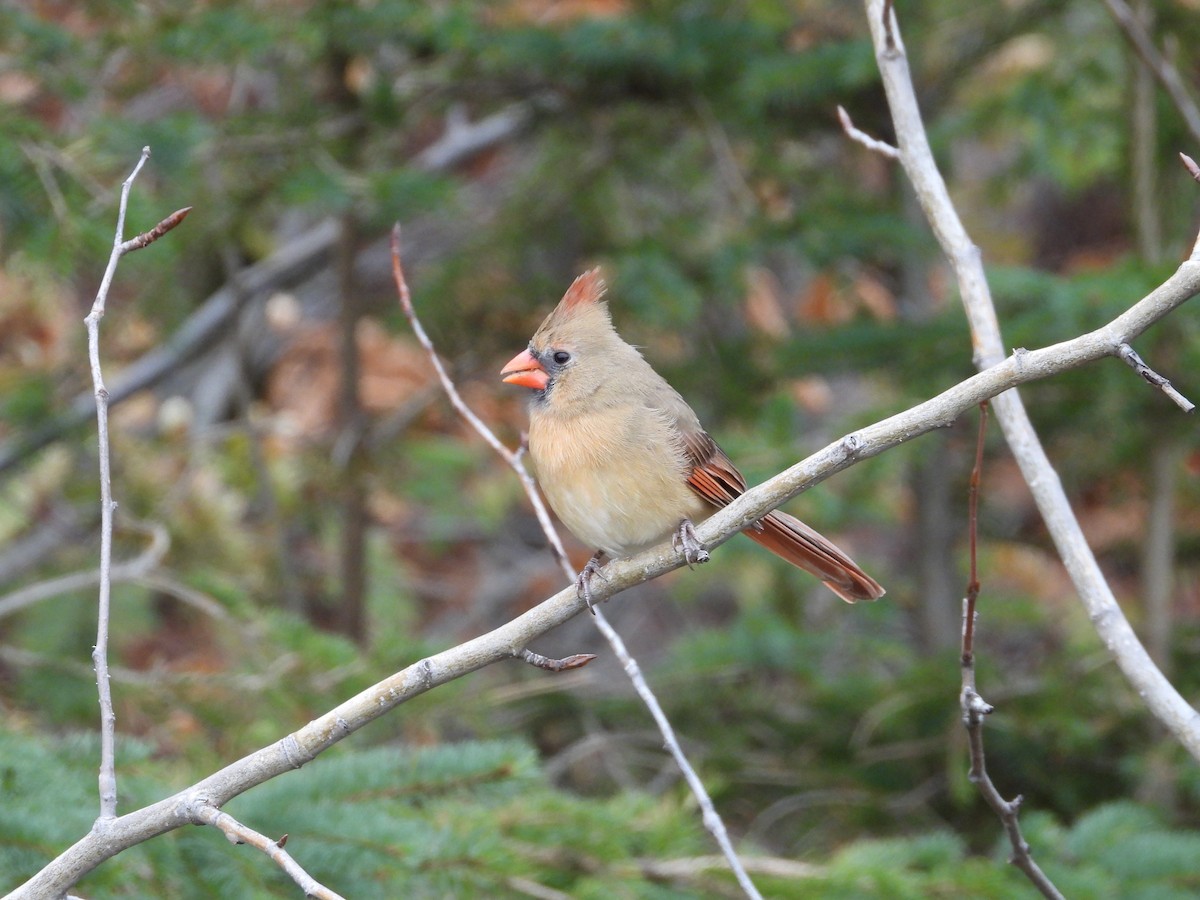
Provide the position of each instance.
(714, 476)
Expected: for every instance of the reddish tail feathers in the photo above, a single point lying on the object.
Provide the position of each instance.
(794, 541)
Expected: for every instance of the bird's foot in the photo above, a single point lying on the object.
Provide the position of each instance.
(685, 539)
(583, 579)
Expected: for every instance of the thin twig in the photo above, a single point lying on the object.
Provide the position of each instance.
(1130, 357)
(512, 458)
(108, 718)
(968, 631)
(974, 708)
(712, 819)
(237, 833)
(855, 134)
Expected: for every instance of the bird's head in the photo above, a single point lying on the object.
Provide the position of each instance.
(565, 356)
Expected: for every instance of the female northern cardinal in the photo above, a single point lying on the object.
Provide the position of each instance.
(624, 461)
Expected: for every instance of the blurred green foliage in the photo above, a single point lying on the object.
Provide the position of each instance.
(775, 272)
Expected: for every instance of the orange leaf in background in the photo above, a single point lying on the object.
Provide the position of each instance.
(554, 12)
(875, 296)
(763, 304)
(812, 394)
(305, 383)
(819, 303)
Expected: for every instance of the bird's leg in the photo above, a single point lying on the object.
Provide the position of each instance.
(582, 585)
(685, 539)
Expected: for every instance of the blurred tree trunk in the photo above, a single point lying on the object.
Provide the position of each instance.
(349, 449)
(1158, 784)
(939, 518)
(1158, 548)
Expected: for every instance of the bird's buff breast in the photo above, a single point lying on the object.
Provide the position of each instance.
(617, 480)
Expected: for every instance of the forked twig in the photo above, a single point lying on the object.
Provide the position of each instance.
(712, 819)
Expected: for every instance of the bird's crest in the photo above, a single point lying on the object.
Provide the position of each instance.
(583, 302)
(585, 290)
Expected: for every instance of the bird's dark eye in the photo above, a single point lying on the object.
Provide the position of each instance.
(562, 357)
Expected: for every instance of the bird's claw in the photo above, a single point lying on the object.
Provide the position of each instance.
(583, 580)
(685, 539)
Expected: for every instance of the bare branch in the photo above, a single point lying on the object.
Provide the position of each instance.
(237, 833)
(1103, 611)
(968, 628)
(300, 257)
(881, 147)
(513, 458)
(1130, 357)
(108, 718)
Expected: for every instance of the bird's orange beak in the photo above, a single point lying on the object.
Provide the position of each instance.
(525, 371)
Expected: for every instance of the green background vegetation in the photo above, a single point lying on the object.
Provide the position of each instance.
(777, 274)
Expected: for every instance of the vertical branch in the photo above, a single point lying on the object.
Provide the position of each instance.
(975, 709)
(350, 446)
(1143, 151)
(1158, 549)
(968, 630)
(108, 718)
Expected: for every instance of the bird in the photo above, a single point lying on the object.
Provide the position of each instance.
(624, 461)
